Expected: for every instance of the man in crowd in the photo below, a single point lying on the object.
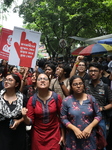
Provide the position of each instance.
(61, 83)
(100, 91)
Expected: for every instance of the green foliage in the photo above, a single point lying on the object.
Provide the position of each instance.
(59, 19)
(4, 5)
(8, 2)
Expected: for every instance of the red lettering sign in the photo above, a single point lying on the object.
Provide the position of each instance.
(5, 43)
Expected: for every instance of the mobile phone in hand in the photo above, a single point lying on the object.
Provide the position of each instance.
(11, 122)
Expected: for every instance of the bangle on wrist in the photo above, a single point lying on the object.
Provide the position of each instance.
(76, 63)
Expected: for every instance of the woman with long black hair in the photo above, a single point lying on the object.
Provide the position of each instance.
(77, 114)
(12, 127)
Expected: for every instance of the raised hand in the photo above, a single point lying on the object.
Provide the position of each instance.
(24, 111)
(79, 58)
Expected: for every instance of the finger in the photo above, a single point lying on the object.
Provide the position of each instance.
(23, 36)
(85, 135)
(59, 143)
(88, 135)
(13, 128)
(80, 136)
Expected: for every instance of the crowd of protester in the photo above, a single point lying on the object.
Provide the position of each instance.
(49, 107)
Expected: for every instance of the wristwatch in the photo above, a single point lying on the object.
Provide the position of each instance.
(61, 83)
(103, 108)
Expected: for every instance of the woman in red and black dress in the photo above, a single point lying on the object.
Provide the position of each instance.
(46, 133)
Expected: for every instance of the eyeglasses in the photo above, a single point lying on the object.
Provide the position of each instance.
(8, 80)
(76, 84)
(48, 69)
(40, 79)
(81, 65)
(93, 71)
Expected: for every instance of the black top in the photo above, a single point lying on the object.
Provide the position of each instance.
(12, 139)
(1, 85)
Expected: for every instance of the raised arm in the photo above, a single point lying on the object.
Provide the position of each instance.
(78, 59)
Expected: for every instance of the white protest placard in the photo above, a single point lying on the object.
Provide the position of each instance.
(24, 47)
